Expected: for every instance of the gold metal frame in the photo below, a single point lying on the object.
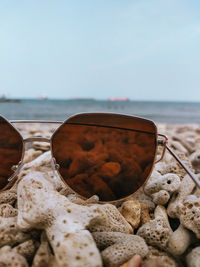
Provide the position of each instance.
(160, 140)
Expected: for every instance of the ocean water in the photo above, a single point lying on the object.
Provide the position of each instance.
(169, 112)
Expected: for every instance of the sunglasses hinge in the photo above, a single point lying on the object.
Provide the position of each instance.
(162, 142)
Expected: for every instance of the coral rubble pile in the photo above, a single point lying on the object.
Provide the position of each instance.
(43, 223)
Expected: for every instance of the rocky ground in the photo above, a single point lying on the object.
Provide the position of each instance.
(43, 223)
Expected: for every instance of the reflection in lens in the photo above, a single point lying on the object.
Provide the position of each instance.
(109, 162)
(11, 146)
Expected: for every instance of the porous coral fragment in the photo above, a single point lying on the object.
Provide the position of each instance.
(160, 187)
(10, 233)
(43, 256)
(41, 206)
(6, 210)
(157, 258)
(144, 198)
(179, 240)
(117, 248)
(195, 160)
(161, 197)
(8, 197)
(27, 249)
(190, 214)
(131, 210)
(172, 166)
(156, 232)
(145, 217)
(185, 189)
(109, 220)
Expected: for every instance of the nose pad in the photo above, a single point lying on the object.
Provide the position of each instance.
(55, 167)
(16, 169)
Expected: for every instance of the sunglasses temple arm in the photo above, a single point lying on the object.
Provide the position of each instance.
(189, 172)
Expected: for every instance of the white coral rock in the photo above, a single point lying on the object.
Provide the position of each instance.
(157, 232)
(193, 258)
(117, 248)
(41, 206)
(157, 258)
(180, 240)
(65, 223)
(186, 187)
(195, 160)
(10, 257)
(190, 214)
(160, 187)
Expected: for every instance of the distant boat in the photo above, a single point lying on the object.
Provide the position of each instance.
(42, 97)
(118, 99)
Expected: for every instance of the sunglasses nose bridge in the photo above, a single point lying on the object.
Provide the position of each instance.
(35, 138)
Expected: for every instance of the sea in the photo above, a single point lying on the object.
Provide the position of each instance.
(52, 109)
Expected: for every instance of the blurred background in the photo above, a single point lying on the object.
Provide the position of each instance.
(136, 57)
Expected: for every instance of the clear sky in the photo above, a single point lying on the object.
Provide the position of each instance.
(141, 49)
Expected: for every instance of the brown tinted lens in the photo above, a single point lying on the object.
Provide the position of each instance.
(107, 155)
(11, 147)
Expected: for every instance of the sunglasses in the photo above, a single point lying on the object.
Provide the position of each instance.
(103, 154)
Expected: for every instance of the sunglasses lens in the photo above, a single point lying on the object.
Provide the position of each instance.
(11, 147)
(104, 154)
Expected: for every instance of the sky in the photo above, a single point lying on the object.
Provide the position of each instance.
(140, 49)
